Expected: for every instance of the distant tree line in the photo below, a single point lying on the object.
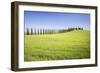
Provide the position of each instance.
(70, 29)
(48, 31)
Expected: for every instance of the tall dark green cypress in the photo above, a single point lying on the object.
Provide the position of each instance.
(43, 31)
(38, 31)
(31, 31)
(34, 31)
(27, 31)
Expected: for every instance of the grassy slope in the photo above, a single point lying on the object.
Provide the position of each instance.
(69, 45)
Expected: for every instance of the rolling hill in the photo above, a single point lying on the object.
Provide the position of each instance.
(61, 46)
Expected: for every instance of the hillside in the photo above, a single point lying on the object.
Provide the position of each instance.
(60, 46)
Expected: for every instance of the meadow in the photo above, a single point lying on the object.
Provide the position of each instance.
(61, 46)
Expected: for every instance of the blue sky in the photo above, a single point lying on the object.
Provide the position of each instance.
(55, 20)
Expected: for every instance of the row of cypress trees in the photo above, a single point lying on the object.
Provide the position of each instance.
(51, 31)
(36, 32)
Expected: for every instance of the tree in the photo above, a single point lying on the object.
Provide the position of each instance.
(38, 32)
(43, 32)
(34, 31)
(27, 31)
(31, 31)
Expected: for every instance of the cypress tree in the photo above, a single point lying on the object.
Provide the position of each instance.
(31, 31)
(34, 31)
(27, 31)
(38, 31)
(43, 31)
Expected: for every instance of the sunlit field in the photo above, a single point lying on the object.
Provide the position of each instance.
(60, 46)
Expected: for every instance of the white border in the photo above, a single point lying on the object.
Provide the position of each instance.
(23, 64)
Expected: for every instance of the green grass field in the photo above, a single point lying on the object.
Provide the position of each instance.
(60, 46)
